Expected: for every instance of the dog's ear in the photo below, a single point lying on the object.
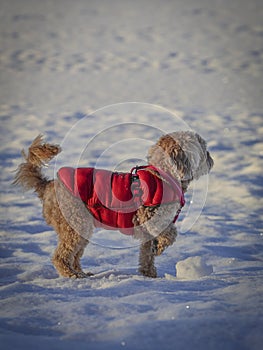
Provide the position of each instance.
(194, 148)
(168, 155)
(182, 163)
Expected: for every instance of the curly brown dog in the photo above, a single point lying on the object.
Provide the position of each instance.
(145, 202)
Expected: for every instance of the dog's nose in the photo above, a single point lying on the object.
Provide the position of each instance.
(210, 161)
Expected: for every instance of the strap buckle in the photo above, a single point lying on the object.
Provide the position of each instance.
(136, 186)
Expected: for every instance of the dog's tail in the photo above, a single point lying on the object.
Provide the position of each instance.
(29, 174)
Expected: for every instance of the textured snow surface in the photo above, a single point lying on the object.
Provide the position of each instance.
(202, 59)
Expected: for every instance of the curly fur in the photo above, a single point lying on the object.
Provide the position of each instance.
(182, 154)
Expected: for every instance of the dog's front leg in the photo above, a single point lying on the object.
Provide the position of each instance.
(155, 247)
(146, 259)
(164, 240)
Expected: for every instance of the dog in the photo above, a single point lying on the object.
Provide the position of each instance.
(144, 203)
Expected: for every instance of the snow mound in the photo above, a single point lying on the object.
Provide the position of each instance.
(193, 268)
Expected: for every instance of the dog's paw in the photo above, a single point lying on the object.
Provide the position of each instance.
(150, 272)
(82, 274)
(88, 274)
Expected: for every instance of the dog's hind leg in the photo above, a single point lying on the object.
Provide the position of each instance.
(64, 258)
(65, 214)
(78, 255)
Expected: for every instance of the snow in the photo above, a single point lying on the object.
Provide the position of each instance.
(193, 268)
(61, 63)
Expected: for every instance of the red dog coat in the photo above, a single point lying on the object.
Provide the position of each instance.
(113, 198)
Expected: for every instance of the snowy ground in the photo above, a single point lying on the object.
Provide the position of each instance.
(201, 59)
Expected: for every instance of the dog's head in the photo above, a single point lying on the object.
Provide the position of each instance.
(183, 154)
